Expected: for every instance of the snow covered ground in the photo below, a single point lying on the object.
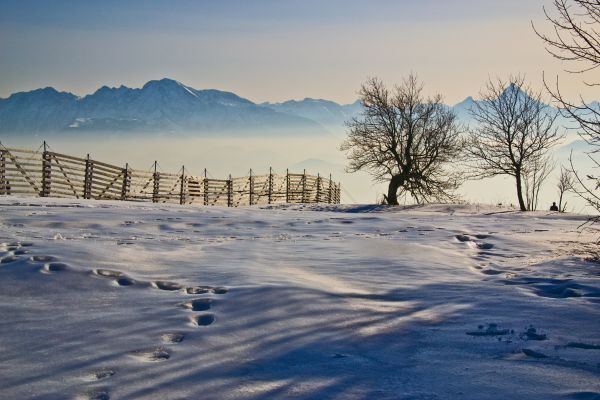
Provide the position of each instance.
(118, 300)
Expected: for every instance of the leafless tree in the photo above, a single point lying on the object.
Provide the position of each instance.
(406, 140)
(513, 133)
(565, 184)
(576, 40)
(534, 177)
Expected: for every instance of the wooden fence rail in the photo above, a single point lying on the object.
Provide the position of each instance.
(50, 174)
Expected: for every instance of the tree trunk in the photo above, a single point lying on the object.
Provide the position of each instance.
(560, 207)
(395, 183)
(520, 193)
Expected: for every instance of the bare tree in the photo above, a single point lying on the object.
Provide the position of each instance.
(406, 140)
(514, 131)
(565, 184)
(534, 177)
(576, 40)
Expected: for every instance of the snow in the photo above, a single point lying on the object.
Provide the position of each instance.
(187, 89)
(304, 301)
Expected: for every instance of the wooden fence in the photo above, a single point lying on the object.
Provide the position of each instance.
(50, 174)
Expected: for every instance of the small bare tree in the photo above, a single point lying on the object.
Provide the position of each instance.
(565, 184)
(534, 177)
(406, 140)
(513, 134)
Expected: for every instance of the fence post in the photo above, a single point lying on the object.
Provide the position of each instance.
(3, 183)
(318, 200)
(304, 187)
(126, 181)
(87, 180)
(229, 192)
(270, 184)
(330, 188)
(251, 183)
(182, 189)
(205, 183)
(156, 181)
(287, 185)
(45, 192)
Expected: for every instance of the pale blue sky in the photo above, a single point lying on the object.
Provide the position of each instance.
(271, 49)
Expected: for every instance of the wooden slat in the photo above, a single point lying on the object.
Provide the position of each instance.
(140, 175)
(74, 188)
(16, 169)
(103, 179)
(68, 157)
(68, 166)
(106, 165)
(11, 191)
(105, 171)
(12, 184)
(34, 165)
(18, 150)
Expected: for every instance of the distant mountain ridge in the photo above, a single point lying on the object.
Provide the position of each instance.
(161, 105)
(168, 106)
(326, 112)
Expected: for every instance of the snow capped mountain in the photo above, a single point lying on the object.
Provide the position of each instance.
(462, 109)
(160, 105)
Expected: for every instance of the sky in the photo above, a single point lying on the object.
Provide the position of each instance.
(274, 50)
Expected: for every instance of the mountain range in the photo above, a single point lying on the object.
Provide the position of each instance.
(168, 106)
(164, 105)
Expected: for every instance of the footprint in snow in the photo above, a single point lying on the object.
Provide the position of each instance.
(8, 259)
(463, 238)
(206, 289)
(491, 330)
(220, 290)
(107, 273)
(203, 320)
(198, 304)
(484, 246)
(125, 281)
(43, 258)
(198, 289)
(166, 285)
(54, 267)
(157, 354)
(533, 354)
(491, 272)
(100, 374)
(172, 337)
(532, 334)
(120, 279)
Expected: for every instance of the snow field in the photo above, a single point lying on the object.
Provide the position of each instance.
(110, 300)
